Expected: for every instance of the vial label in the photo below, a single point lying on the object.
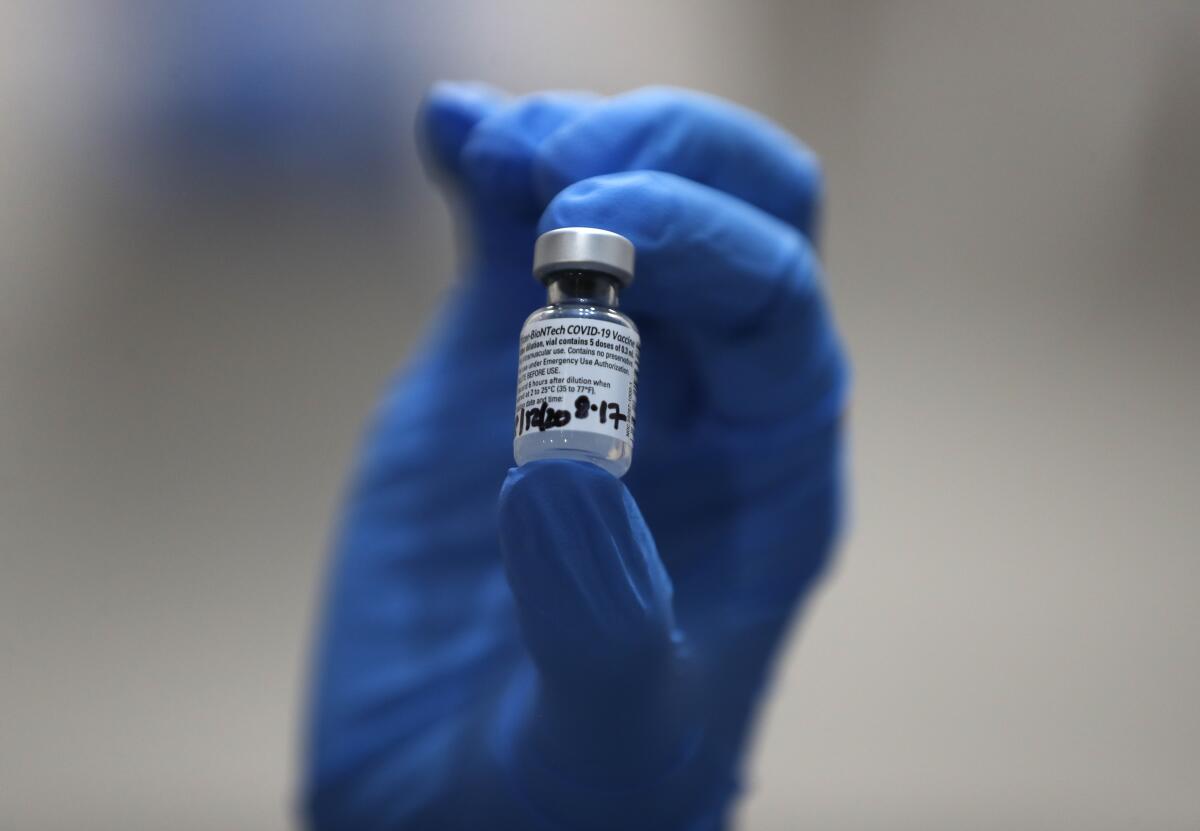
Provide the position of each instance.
(578, 375)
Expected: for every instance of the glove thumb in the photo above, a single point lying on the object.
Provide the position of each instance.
(594, 603)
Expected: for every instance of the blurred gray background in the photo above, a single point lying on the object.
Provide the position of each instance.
(216, 243)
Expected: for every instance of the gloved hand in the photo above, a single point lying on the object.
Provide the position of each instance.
(542, 659)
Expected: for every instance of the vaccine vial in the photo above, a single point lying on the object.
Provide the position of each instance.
(577, 376)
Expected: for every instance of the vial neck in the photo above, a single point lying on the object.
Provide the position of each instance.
(588, 288)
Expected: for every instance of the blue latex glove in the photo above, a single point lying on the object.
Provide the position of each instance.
(543, 660)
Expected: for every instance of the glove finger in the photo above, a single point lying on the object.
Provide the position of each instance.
(498, 157)
(488, 142)
(743, 286)
(696, 136)
(592, 594)
(594, 604)
(446, 118)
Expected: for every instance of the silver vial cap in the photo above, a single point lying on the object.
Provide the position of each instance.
(585, 249)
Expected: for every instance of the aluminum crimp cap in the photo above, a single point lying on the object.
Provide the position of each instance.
(585, 249)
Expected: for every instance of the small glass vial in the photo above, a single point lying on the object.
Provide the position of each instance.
(577, 378)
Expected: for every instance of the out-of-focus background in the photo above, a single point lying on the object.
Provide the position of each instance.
(216, 243)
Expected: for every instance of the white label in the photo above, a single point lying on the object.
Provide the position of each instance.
(578, 374)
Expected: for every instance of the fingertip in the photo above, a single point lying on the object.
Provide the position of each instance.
(640, 205)
(448, 113)
(543, 468)
(499, 157)
(582, 566)
(465, 94)
(703, 256)
(535, 494)
(613, 138)
(696, 135)
(559, 471)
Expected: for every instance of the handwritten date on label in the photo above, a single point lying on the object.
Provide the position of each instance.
(607, 410)
(545, 417)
